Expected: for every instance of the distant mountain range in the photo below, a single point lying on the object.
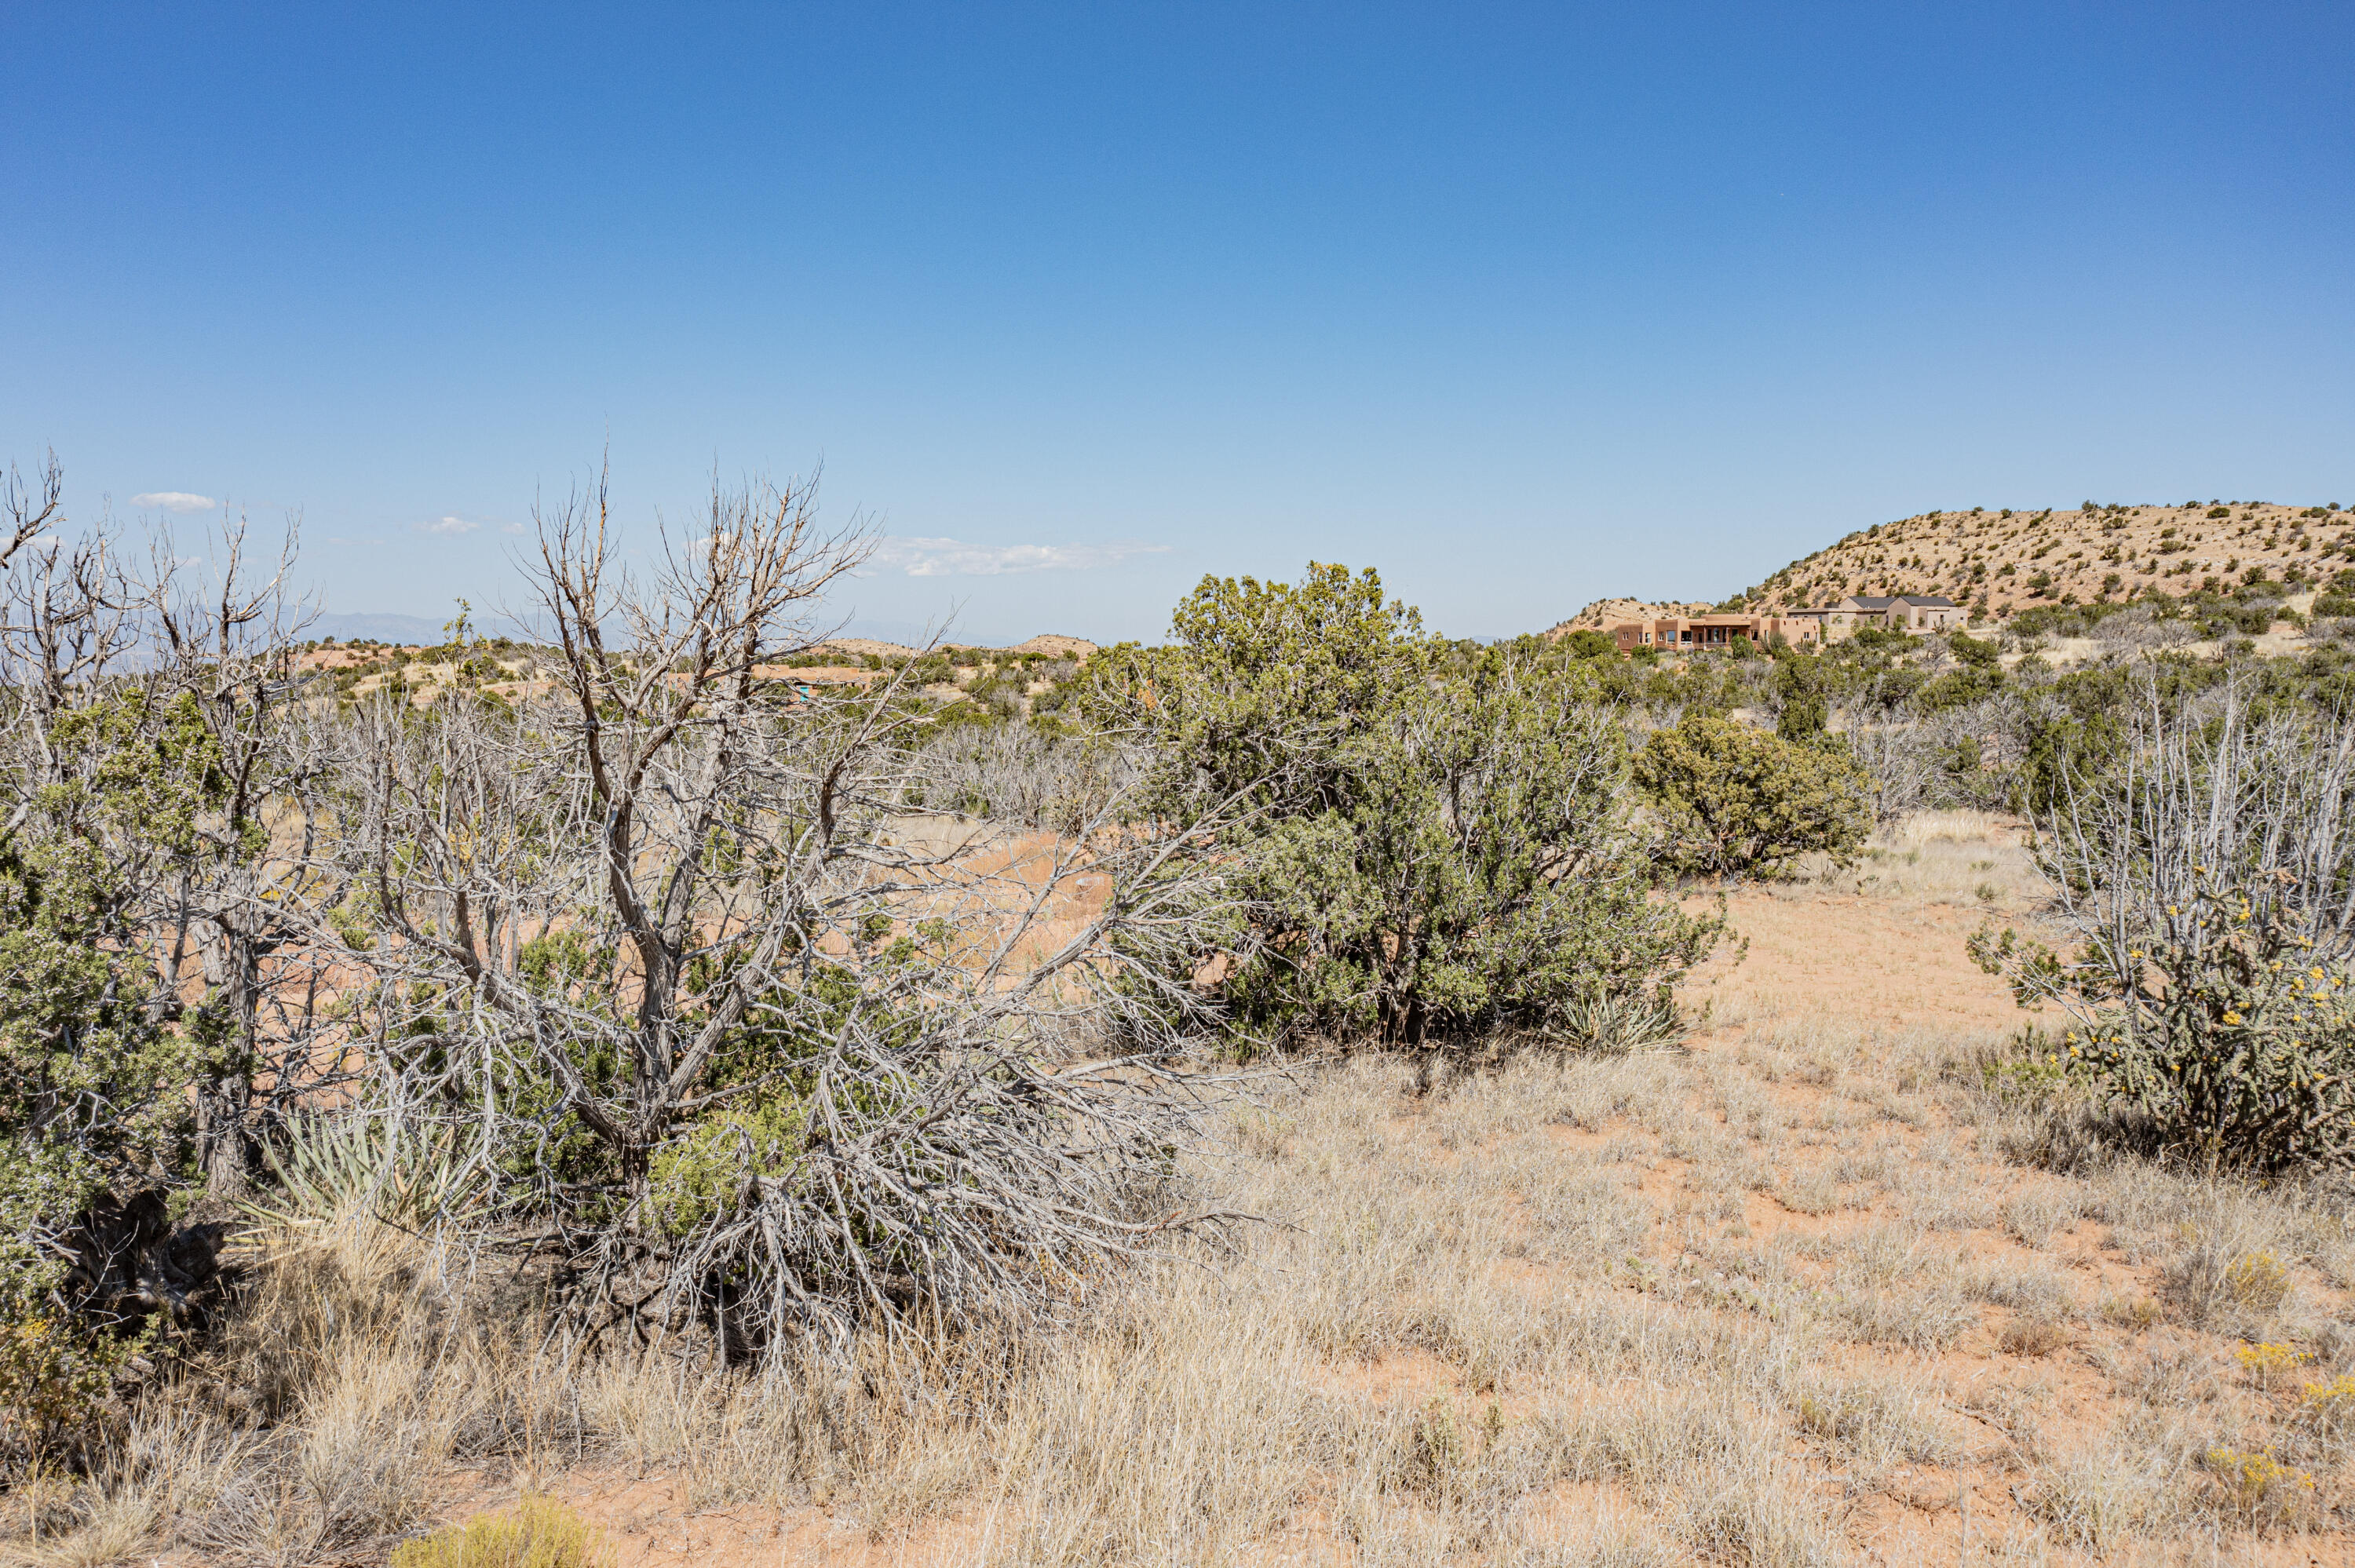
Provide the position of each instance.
(383, 626)
(364, 626)
(858, 636)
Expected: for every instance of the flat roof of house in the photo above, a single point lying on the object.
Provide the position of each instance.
(1922, 601)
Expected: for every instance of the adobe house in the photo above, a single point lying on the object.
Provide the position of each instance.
(1800, 627)
(1910, 612)
(1672, 634)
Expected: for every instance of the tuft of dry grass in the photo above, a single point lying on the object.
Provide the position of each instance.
(2032, 1336)
(107, 1527)
(2102, 1496)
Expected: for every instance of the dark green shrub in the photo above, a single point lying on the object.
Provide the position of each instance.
(1441, 843)
(1877, 637)
(1974, 652)
(1959, 688)
(102, 1068)
(1799, 686)
(1732, 800)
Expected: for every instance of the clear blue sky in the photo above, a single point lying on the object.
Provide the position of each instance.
(1523, 306)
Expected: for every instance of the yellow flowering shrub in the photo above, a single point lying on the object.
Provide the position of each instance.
(2327, 1412)
(2258, 1281)
(2338, 1394)
(2255, 1487)
(2264, 1361)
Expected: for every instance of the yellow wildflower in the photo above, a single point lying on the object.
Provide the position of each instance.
(2339, 1393)
(2268, 1357)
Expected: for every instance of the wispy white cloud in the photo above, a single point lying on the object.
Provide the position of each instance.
(174, 501)
(449, 525)
(954, 558)
(513, 528)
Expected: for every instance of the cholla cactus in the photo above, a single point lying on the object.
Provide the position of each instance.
(2204, 869)
(2223, 1030)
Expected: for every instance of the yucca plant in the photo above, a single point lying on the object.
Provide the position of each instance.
(1616, 1023)
(340, 1166)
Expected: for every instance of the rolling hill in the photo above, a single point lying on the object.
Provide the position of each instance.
(1999, 562)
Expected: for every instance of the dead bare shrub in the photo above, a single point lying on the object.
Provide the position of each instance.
(757, 1051)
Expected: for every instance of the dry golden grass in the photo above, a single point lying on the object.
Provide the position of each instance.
(1802, 1294)
(1965, 859)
